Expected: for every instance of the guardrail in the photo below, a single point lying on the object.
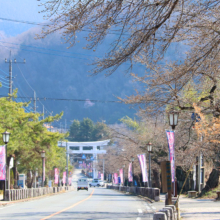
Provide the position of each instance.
(152, 193)
(18, 194)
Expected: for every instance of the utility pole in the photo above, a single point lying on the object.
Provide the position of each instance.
(35, 102)
(10, 73)
(43, 112)
(67, 159)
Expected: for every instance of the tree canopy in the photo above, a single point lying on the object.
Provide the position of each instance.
(86, 130)
(29, 137)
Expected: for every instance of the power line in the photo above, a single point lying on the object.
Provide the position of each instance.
(73, 100)
(43, 48)
(54, 54)
(47, 25)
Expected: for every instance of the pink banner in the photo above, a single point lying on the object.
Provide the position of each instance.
(130, 174)
(121, 176)
(64, 177)
(170, 140)
(2, 163)
(70, 181)
(56, 175)
(143, 165)
(102, 176)
(44, 169)
(115, 178)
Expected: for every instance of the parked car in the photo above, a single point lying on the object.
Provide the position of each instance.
(82, 184)
(96, 182)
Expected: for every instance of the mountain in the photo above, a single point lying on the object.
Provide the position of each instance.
(54, 71)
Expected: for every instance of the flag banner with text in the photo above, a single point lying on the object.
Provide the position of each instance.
(115, 178)
(121, 176)
(170, 140)
(130, 174)
(143, 165)
(56, 175)
(2, 163)
(64, 177)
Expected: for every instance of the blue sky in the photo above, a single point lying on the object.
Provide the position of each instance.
(26, 10)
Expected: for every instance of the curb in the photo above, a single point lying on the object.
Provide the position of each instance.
(140, 196)
(5, 203)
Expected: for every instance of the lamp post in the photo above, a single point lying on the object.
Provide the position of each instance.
(132, 160)
(5, 137)
(173, 121)
(43, 168)
(149, 149)
(123, 166)
(67, 159)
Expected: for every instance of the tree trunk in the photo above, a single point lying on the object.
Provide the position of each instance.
(212, 182)
(156, 178)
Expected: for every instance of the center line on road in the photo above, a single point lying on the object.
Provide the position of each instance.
(63, 210)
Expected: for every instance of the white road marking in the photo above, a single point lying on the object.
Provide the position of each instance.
(148, 208)
(138, 218)
(153, 207)
(140, 211)
(7, 206)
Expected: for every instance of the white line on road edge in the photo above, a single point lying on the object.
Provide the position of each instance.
(138, 218)
(7, 206)
(140, 211)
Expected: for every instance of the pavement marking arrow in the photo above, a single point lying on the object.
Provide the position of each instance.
(70, 207)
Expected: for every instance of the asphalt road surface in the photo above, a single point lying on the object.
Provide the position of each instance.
(96, 203)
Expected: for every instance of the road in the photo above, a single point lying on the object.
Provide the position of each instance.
(96, 203)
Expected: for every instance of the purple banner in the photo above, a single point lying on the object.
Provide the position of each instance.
(130, 174)
(121, 176)
(2, 163)
(143, 165)
(170, 140)
(115, 178)
(56, 175)
(99, 175)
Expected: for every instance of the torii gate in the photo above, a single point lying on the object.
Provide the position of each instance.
(94, 148)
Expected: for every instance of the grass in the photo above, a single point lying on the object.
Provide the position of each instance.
(211, 194)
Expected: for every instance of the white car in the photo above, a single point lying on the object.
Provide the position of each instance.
(96, 182)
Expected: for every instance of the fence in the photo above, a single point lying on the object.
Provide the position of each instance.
(152, 193)
(17, 194)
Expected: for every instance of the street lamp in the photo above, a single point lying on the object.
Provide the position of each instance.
(5, 137)
(43, 168)
(149, 149)
(132, 160)
(67, 160)
(173, 119)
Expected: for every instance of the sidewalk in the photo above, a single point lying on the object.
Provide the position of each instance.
(191, 209)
